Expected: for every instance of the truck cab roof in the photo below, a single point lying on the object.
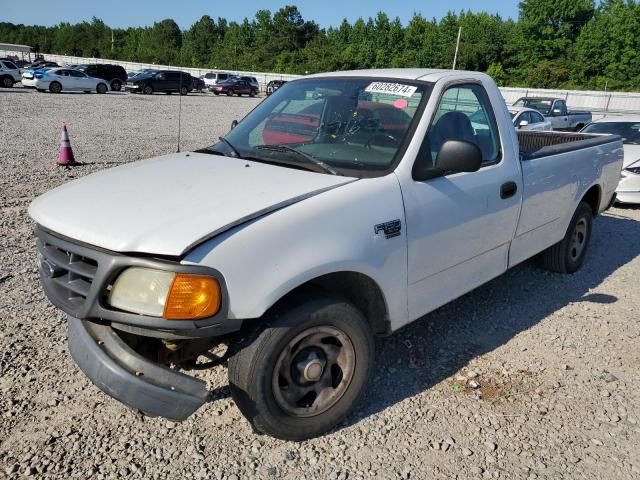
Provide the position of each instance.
(430, 75)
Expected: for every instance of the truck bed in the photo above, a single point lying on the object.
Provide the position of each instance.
(543, 144)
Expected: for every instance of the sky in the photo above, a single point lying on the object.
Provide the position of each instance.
(129, 13)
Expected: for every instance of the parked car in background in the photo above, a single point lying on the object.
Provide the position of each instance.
(628, 127)
(197, 84)
(28, 75)
(57, 80)
(297, 255)
(212, 78)
(9, 74)
(115, 75)
(529, 119)
(253, 81)
(234, 86)
(42, 64)
(166, 81)
(555, 110)
(17, 62)
(273, 85)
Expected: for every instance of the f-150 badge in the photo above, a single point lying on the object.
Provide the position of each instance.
(390, 229)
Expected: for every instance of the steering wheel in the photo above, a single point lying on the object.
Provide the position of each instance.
(386, 136)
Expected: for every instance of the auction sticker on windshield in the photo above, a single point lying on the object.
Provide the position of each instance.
(391, 88)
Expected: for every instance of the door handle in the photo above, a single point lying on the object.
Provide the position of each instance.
(508, 189)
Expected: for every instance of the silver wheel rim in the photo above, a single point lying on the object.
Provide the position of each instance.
(313, 371)
(578, 239)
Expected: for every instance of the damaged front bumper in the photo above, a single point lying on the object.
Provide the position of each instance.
(123, 374)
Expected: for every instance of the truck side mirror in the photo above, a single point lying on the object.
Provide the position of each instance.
(453, 156)
(459, 156)
(234, 124)
(557, 111)
(523, 123)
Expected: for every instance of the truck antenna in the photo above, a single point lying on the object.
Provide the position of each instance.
(179, 110)
(455, 56)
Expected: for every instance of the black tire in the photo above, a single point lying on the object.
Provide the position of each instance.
(184, 90)
(55, 87)
(256, 380)
(147, 90)
(7, 81)
(568, 255)
(116, 85)
(216, 93)
(253, 93)
(102, 88)
(229, 93)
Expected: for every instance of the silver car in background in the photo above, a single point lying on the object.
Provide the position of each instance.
(529, 119)
(628, 127)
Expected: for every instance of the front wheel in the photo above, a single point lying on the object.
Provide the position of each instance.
(116, 85)
(102, 88)
(7, 82)
(305, 370)
(148, 90)
(183, 90)
(229, 93)
(568, 255)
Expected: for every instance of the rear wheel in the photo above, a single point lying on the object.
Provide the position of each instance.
(304, 371)
(216, 93)
(102, 88)
(55, 87)
(184, 90)
(253, 93)
(116, 85)
(7, 81)
(147, 90)
(568, 255)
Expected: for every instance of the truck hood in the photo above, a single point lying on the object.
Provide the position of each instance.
(168, 204)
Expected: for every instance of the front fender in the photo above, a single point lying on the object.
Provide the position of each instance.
(335, 231)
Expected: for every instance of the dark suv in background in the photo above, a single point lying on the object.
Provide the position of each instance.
(234, 86)
(114, 74)
(167, 81)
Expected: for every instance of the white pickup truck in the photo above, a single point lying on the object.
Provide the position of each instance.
(344, 206)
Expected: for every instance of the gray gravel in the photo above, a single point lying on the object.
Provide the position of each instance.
(535, 375)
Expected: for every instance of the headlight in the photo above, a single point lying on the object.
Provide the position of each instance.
(174, 296)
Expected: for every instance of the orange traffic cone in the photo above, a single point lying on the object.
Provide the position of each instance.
(66, 154)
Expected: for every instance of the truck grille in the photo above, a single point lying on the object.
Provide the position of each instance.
(66, 273)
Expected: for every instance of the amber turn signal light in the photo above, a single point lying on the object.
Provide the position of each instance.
(191, 297)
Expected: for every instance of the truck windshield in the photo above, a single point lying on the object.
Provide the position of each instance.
(351, 125)
(540, 104)
(629, 131)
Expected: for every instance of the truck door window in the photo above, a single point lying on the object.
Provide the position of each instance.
(465, 113)
(561, 106)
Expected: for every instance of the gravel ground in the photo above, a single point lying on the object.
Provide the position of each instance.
(534, 375)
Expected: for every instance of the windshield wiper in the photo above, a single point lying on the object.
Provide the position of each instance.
(230, 145)
(308, 158)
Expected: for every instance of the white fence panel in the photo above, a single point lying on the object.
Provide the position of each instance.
(601, 103)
